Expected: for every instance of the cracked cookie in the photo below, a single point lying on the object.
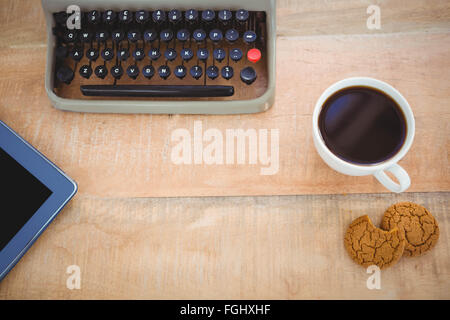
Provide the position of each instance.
(416, 224)
(368, 245)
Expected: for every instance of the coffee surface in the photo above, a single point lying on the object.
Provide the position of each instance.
(362, 125)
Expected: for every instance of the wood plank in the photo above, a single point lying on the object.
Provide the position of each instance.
(130, 155)
(19, 20)
(223, 248)
(337, 17)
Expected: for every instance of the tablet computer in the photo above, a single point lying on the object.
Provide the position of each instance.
(32, 192)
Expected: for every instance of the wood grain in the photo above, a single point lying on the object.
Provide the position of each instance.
(130, 155)
(277, 247)
(223, 248)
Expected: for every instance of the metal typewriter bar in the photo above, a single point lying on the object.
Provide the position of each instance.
(156, 91)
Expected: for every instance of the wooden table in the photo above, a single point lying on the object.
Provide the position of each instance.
(130, 245)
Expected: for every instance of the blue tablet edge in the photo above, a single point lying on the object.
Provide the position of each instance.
(17, 258)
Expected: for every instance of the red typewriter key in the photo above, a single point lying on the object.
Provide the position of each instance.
(254, 55)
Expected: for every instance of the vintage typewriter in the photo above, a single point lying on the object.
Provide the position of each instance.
(161, 56)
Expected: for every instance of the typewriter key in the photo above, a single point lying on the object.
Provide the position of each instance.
(159, 16)
(148, 71)
(191, 15)
(133, 72)
(125, 16)
(212, 72)
(196, 72)
(92, 54)
(242, 15)
(175, 16)
(101, 72)
(142, 16)
(164, 72)
(208, 16)
(227, 72)
(86, 71)
(232, 35)
(65, 74)
(248, 75)
(187, 54)
(123, 54)
(107, 54)
(109, 16)
(138, 54)
(180, 72)
(117, 72)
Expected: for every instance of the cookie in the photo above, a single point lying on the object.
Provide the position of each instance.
(368, 245)
(417, 225)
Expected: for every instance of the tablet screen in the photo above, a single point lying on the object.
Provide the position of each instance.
(21, 194)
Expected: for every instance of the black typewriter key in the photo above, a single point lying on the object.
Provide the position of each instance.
(61, 18)
(249, 36)
(107, 54)
(85, 36)
(180, 72)
(76, 54)
(242, 15)
(148, 71)
(166, 35)
(70, 36)
(118, 35)
(86, 71)
(227, 72)
(236, 54)
(212, 72)
(93, 17)
(232, 35)
(134, 35)
(101, 35)
(219, 54)
(138, 54)
(154, 54)
(109, 16)
(248, 75)
(101, 72)
(123, 54)
(216, 35)
(133, 72)
(186, 54)
(61, 52)
(117, 72)
(92, 54)
(199, 35)
(159, 16)
(225, 16)
(150, 35)
(191, 16)
(196, 72)
(208, 15)
(164, 72)
(125, 16)
(203, 54)
(142, 16)
(175, 16)
(65, 74)
(170, 54)
(183, 35)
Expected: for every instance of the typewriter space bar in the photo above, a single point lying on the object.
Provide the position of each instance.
(154, 91)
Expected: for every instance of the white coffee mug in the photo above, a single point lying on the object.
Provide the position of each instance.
(379, 169)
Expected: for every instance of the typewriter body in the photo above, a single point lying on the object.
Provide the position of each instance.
(161, 56)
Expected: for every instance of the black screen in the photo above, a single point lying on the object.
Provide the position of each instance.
(21, 196)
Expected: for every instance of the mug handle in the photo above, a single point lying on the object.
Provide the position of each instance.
(400, 174)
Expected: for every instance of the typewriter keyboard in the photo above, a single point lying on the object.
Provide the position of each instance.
(170, 54)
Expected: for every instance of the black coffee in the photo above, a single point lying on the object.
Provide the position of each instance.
(362, 125)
